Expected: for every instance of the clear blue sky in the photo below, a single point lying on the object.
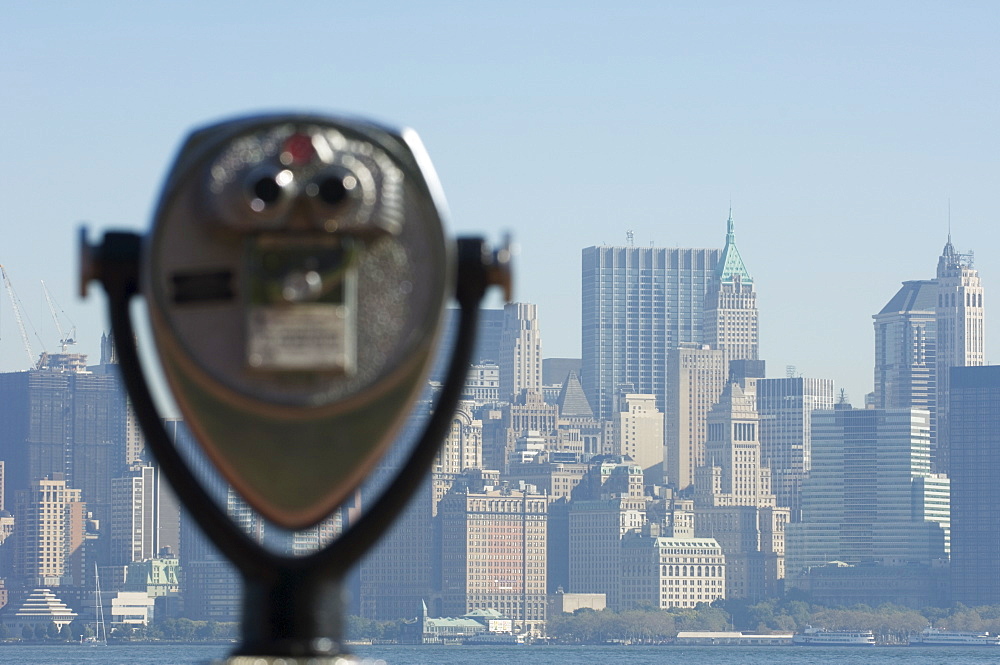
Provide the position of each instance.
(838, 130)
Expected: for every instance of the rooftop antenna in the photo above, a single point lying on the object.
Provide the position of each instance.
(949, 219)
(630, 237)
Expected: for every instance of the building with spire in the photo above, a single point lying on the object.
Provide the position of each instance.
(960, 318)
(928, 327)
(730, 320)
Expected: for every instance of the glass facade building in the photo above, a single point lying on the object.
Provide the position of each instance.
(639, 302)
(975, 468)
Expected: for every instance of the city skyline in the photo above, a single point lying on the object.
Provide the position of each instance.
(837, 133)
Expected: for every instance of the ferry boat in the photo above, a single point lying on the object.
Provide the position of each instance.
(495, 638)
(834, 638)
(931, 637)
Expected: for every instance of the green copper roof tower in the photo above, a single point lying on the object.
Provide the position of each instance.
(731, 266)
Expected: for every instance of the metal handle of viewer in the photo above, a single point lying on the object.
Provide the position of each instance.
(292, 606)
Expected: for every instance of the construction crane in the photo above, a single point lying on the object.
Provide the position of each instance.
(65, 341)
(17, 316)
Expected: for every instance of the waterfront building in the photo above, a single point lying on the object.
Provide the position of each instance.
(520, 351)
(670, 572)
(637, 304)
(402, 569)
(860, 503)
(49, 534)
(40, 608)
(785, 407)
(975, 467)
(493, 552)
(733, 502)
(608, 503)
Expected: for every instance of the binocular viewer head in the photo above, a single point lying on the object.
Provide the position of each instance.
(296, 277)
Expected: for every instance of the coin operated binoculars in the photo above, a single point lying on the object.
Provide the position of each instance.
(296, 277)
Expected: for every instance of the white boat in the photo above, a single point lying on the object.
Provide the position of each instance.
(940, 638)
(834, 638)
(496, 638)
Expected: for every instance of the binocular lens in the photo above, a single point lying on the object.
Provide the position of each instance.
(267, 190)
(334, 189)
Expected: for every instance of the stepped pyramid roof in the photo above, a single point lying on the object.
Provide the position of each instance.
(42, 606)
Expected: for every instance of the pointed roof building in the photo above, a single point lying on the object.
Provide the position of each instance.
(731, 267)
(573, 402)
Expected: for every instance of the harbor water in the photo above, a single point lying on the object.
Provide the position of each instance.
(173, 654)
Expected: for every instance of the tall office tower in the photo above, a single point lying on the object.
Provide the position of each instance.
(401, 571)
(134, 523)
(975, 493)
(733, 502)
(785, 407)
(859, 502)
(697, 375)
(63, 419)
(638, 303)
(906, 351)
(493, 553)
(637, 431)
(520, 351)
(210, 585)
(135, 438)
(608, 503)
(487, 349)
(960, 332)
(49, 534)
(730, 322)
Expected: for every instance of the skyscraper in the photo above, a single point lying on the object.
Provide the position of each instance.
(696, 375)
(960, 332)
(134, 523)
(733, 502)
(63, 419)
(906, 350)
(975, 467)
(49, 534)
(638, 303)
(928, 327)
(730, 322)
(520, 351)
(859, 503)
(785, 407)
